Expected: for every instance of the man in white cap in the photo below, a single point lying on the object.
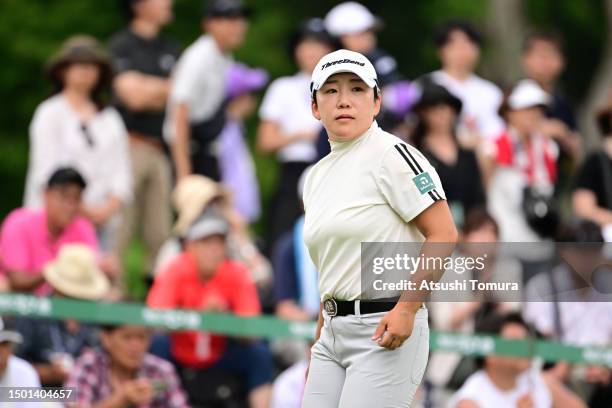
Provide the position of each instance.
(356, 28)
(203, 278)
(14, 372)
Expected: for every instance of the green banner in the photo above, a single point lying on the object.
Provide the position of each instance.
(273, 328)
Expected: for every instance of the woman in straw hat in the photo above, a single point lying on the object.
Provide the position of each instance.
(74, 128)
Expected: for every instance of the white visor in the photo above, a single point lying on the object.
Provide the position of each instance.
(343, 61)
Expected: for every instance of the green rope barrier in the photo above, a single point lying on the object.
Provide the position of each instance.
(273, 328)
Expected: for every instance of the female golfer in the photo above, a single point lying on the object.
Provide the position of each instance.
(372, 187)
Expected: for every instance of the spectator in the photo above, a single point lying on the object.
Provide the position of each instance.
(295, 276)
(289, 386)
(196, 109)
(568, 302)
(191, 197)
(511, 381)
(202, 278)
(592, 196)
(121, 373)
(356, 28)
(143, 59)
(53, 345)
(458, 45)
(14, 372)
(30, 238)
(525, 168)
(235, 161)
(436, 137)
(479, 237)
(75, 128)
(543, 62)
(287, 126)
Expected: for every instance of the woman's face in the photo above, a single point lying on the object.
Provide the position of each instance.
(440, 118)
(308, 53)
(346, 106)
(527, 120)
(81, 76)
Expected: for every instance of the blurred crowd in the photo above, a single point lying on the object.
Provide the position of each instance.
(144, 139)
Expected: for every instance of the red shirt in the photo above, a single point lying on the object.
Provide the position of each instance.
(179, 286)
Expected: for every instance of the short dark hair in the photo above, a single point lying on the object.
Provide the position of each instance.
(65, 176)
(442, 34)
(494, 324)
(551, 37)
(580, 231)
(478, 217)
(127, 8)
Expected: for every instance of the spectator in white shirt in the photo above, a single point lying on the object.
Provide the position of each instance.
(458, 45)
(196, 109)
(511, 382)
(287, 126)
(74, 128)
(14, 372)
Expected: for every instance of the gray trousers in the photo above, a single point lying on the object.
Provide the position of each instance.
(350, 370)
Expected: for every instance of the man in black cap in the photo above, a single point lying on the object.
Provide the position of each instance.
(143, 60)
(196, 111)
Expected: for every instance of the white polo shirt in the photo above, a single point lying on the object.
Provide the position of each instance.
(365, 190)
(481, 100)
(287, 104)
(198, 80)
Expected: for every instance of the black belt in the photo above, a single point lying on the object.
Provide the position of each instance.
(335, 307)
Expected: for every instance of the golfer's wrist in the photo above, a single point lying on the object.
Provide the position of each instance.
(411, 307)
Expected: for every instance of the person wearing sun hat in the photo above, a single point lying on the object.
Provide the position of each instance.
(202, 277)
(75, 127)
(53, 345)
(190, 198)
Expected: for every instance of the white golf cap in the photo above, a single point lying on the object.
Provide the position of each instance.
(343, 61)
(526, 94)
(350, 18)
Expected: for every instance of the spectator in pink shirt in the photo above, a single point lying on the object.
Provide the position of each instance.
(30, 238)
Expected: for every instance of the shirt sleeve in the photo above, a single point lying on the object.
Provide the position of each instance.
(163, 293)
(121, 184)
(283, 263)
(174, 396)
(273, 104)
(588, 175)
(244, 301)
(408, 181)
(45, 152)
(190, 71)
(14, 245)
(82, 380)
(121, 57)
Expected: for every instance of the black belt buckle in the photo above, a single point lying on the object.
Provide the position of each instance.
(331, 307)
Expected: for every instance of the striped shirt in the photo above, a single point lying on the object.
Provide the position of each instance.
(368, 189)
(91, 379)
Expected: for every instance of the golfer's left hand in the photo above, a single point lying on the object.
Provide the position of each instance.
(394, 328)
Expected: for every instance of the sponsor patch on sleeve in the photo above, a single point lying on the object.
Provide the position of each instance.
(423, 182)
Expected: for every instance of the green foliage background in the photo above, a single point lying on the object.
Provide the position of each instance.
(31, 30)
